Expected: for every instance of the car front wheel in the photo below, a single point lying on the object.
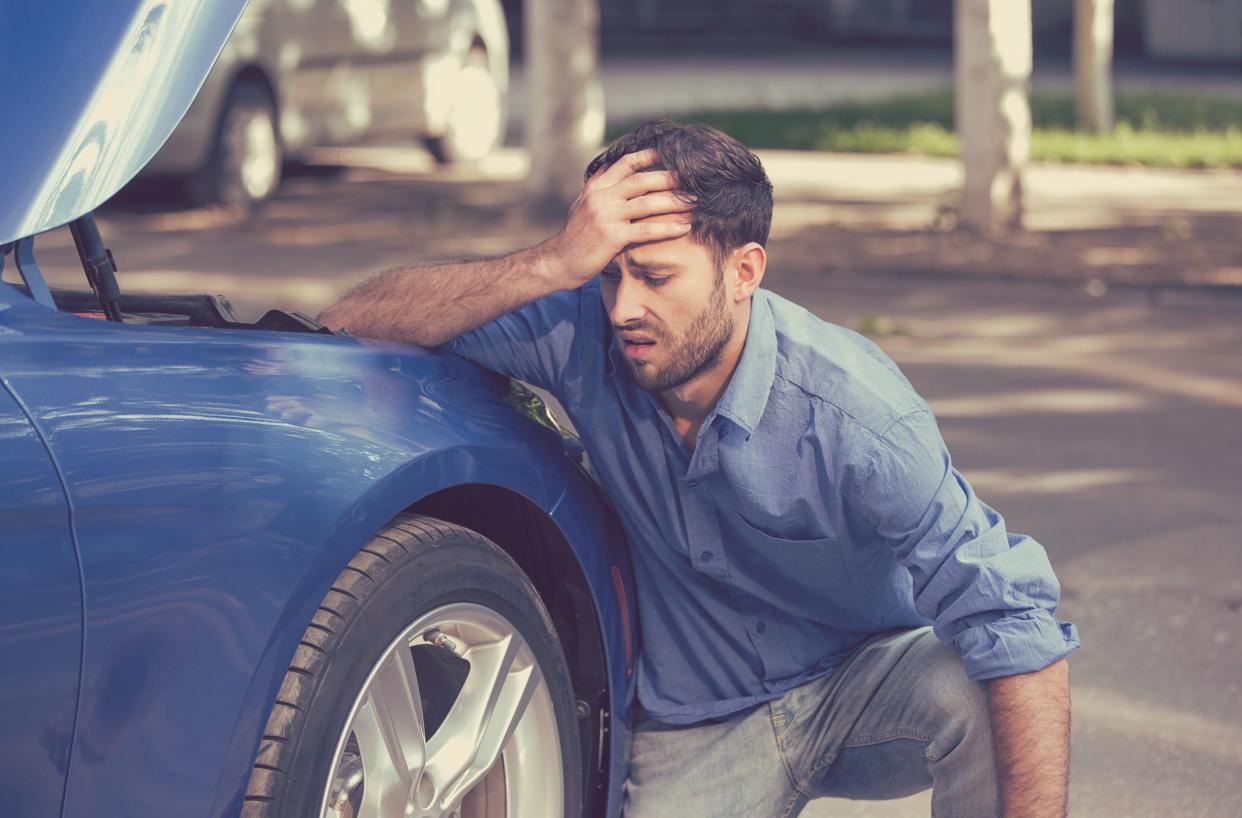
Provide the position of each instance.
(476, 119)
(244, 166)
(430, 683)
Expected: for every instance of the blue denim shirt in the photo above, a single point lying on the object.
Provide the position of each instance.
(819, 507)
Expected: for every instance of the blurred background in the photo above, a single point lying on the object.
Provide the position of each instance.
(1034, 207)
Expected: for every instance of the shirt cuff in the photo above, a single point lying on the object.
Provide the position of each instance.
(1020, 643)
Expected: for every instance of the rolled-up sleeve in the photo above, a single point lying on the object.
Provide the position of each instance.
(989, 593)
(536, 343)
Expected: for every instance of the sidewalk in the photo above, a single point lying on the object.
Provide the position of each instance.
(1102, 226)
(1093, 225)
(637, 87)
(1090, 228)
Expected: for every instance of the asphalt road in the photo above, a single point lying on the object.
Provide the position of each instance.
(1106, 426)
(1108, 429)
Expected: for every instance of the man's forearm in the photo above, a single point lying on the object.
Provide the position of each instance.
(1030, 728)
(428, 305)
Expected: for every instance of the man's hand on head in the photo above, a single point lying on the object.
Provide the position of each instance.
(429, 304)
(606, 217)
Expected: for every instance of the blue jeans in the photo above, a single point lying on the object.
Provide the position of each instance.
(899, 716)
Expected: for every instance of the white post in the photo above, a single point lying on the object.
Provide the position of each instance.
(1093, 58)
(992, 68)
(564, 100)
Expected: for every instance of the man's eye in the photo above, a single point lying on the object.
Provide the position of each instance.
(653, 281)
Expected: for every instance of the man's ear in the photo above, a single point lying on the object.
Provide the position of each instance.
(751, 260)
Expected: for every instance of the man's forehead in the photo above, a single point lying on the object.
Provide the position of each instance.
(644, 259)
(657, 255)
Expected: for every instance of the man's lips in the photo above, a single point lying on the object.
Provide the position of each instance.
(633, 335)
(636, 346)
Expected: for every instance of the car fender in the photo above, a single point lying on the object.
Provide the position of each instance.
(221, 479)
(575, 509)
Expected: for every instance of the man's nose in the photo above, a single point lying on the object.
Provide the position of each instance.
(627, 304)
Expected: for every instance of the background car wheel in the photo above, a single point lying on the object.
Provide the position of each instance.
(476, 119)
(244, 167)
(430, 682)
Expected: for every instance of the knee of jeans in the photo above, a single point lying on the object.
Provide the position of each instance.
(961, 703)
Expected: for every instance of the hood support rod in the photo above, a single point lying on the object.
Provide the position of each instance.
(29, 270)
(98, 264)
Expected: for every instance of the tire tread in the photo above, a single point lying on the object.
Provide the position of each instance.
(366, 572)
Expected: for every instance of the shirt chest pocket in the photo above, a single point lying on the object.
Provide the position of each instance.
(777, 567)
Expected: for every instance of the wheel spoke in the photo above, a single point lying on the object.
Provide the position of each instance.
(391, 737)
(487, 711)
(382, 787)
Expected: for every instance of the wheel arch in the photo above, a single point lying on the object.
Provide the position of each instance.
(528, 535)
(526, 490)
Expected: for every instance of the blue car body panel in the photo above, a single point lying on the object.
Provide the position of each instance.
(97, 87)
(40, 622)
(220, 480)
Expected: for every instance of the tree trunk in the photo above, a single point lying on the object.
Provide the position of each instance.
(1093, 58)
(564, 101)
(992, 71)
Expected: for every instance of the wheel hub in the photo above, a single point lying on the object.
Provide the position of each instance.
(493, 752)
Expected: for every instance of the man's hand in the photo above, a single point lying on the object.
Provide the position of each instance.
(1030, 728)
(605, 218)
(429, 304)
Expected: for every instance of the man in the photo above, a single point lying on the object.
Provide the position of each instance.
(794, 519)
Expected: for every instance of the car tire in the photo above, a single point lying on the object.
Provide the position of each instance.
(431, 631)
(476, 120)
(244, 165)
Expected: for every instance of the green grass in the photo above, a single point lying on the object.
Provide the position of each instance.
(1159, 131)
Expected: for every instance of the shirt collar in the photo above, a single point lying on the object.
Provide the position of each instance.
(613, 360)
(746, 397)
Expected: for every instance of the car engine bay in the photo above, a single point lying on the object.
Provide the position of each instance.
(105, 301)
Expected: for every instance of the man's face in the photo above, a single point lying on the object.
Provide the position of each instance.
(670, 311)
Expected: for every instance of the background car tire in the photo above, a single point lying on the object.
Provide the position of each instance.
(476, 122)
(244, 166)
(412, 570)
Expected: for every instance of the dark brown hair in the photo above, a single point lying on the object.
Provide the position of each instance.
(731, 192)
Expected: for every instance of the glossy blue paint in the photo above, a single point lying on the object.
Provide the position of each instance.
(95, 89)
(221, 479)
(580, 517)
(40, 622)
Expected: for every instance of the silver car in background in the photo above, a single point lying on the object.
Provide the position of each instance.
(297, 74)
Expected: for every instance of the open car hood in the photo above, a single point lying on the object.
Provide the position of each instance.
(91, 91)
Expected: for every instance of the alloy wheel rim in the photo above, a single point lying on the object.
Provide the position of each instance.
(474, 123)
(254, 153)
(495, 752)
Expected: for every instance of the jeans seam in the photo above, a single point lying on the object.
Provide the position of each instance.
(867, 741)
(880, 738)
(791, 803)
(799, 789)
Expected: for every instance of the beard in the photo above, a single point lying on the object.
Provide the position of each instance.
(693, 352)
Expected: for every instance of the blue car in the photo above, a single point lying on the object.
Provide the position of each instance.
(260, 569)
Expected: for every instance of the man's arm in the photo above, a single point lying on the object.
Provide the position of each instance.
(1030, 728)
(989, 593)
(428, 305)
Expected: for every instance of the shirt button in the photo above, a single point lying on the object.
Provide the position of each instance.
(706, 556)
(694, 484)
(761, 626)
